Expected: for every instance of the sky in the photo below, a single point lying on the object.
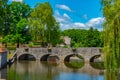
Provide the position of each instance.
(74, 14)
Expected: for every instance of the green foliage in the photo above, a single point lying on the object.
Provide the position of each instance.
(16, 12)
(21, 35)
(43, 24)
(31, 44)
(11, 38)
(22, 30)
(111, 11)
(15, 21)
(7, 38)
(3, 17)
(84, 38)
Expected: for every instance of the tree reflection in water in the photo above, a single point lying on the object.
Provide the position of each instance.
(112, 75)
(28, 70)
(97, 65)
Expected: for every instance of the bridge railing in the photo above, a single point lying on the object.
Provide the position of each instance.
(12, 57)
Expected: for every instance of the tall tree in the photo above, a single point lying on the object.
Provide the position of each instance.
(55, 34)
(17, 11)
(22, 35)
(43, 23)
(3, 17)
(111, 10)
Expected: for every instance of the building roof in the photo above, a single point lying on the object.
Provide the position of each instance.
(2, 50)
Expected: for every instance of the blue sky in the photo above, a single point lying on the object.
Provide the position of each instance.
(80, 14)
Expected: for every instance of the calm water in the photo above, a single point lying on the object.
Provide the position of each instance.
(36, 70)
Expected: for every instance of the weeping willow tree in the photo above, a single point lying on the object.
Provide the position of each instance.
(111, 11)
(42, 24)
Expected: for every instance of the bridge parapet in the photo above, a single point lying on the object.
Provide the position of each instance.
(89, 52)
(62, 51)
(38, 50)
(95, 51)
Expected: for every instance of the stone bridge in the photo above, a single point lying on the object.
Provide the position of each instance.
(38, 53)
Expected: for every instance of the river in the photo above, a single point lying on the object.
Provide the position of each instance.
(36, 70)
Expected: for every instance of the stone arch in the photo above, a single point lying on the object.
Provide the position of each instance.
(44, 57)
(67, 58)
(94, 57)
(27, 57)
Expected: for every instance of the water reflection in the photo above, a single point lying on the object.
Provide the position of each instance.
(36, 70)
(47, 64)
(97, 65)
(3, 73)
(75, 65)
(112, 75)
(31, 70)
(78, 76)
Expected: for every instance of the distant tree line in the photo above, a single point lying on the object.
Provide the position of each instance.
(84, 38)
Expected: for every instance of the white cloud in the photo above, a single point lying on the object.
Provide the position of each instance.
(66, 16)
(64, 7)
(79, 25)
(64, 26)
(66, 22)
(62, 18)
(17, 0)
(57, 13)
(95, 22)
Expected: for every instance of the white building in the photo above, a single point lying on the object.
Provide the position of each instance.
(67, 40)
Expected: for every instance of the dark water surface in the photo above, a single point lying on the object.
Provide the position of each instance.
(36, 70)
